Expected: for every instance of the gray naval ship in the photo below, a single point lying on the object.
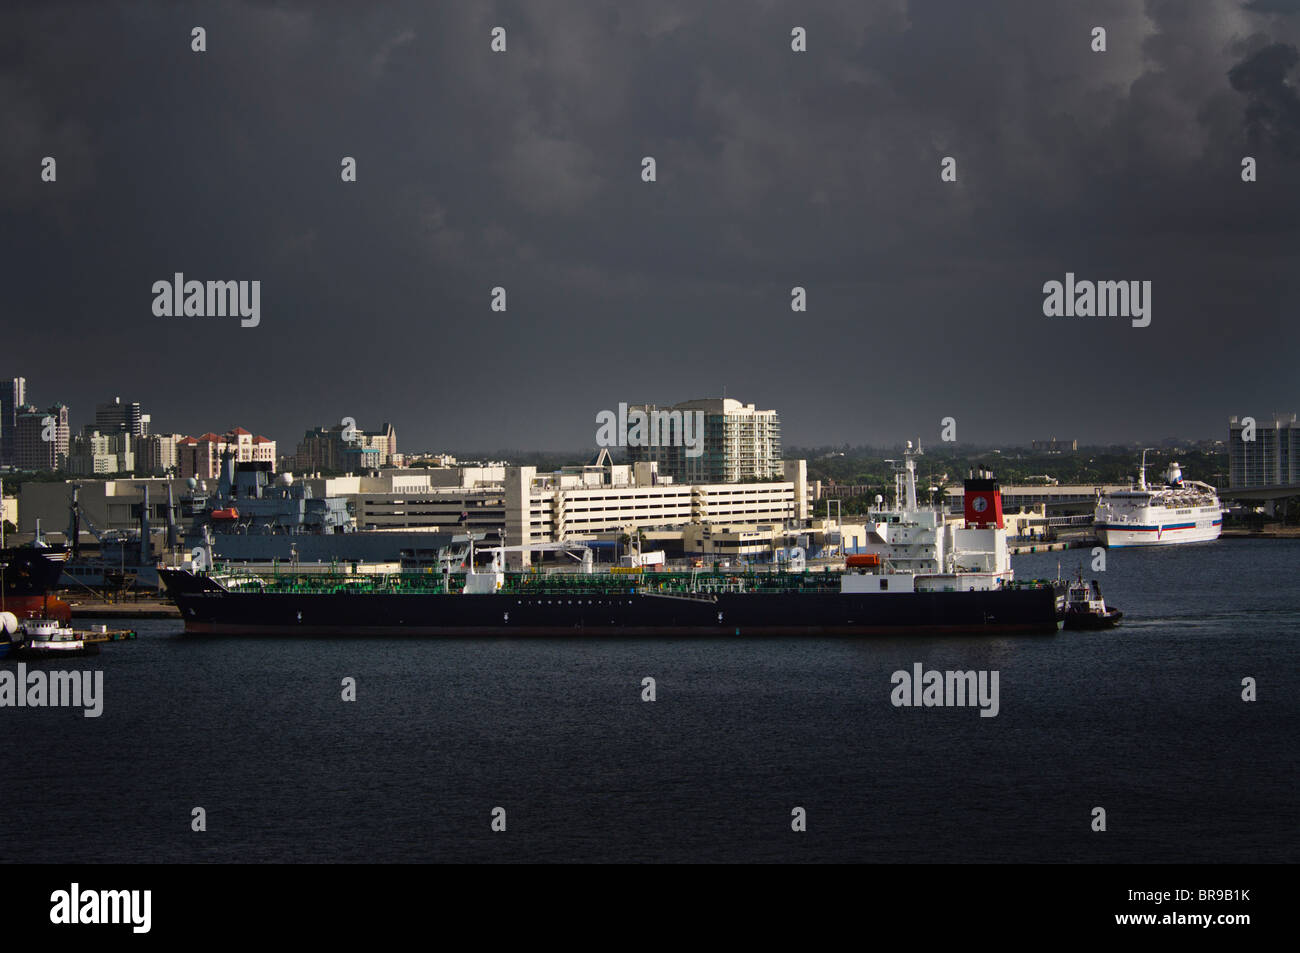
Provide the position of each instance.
(254, 517)
(257, 516)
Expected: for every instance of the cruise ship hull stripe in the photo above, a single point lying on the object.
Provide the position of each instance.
(1130, 528)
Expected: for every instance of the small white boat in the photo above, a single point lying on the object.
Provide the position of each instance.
(47, 638)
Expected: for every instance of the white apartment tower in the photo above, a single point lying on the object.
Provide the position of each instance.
(740, 443)
(1271, 458)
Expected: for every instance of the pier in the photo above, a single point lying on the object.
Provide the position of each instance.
(1069, 540)
(105, 634)
(1268, 531)
(1053, 546)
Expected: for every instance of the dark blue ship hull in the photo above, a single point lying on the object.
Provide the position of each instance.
(30, 571)
(209, 609)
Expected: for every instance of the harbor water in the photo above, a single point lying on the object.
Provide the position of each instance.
(1146, 721)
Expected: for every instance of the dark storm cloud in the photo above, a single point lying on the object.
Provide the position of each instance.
(1273, 113)
(775, 169)
(1273, 6)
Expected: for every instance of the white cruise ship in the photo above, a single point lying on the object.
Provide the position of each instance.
(1181, 511)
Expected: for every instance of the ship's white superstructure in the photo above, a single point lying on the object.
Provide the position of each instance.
(1180, 511)
(920, 551)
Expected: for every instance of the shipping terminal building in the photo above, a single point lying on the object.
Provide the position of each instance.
(597, 501)
(731, 496)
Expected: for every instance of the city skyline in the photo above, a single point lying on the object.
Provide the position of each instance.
(288, 447)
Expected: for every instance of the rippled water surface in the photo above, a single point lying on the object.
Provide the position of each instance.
(1146, 720)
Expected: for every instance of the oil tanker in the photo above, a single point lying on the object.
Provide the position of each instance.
(920, 573)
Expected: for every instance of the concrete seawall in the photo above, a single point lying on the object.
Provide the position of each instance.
(143, 609)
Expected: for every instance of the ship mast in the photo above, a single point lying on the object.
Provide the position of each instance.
(910, 467)
(1142, 473)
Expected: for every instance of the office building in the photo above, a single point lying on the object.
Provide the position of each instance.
(93, 453)
(41, 438)
(1272, 458)
(117, 417)
(156, 454)
(13, 395)
(340, 449)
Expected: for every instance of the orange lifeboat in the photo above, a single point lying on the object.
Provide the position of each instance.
(857, 560)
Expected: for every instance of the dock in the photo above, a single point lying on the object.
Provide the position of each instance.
(1273, 531)
(1052, 546)
(105, 634)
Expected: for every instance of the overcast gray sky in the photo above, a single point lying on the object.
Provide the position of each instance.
(523, 170)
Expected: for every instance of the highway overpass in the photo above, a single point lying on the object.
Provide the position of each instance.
(1078, 496)
(1261, 493)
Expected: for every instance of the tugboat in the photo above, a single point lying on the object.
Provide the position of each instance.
(1086, 609)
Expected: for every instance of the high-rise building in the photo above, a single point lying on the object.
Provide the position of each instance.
(738, 443)
(13, 395)
(41, 438)
(340, 448)
(155, 453)
(1272, 458)
(92, 453)
(117, 416)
